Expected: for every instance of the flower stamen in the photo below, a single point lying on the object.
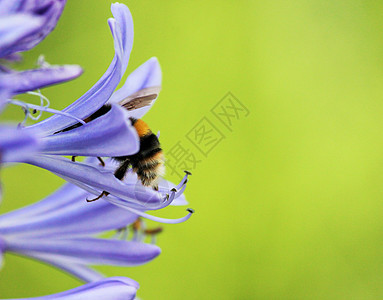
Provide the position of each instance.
(140, 231)
(27, 106)
(161, 220)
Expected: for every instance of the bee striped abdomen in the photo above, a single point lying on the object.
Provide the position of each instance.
(150, 168)
(148, 162)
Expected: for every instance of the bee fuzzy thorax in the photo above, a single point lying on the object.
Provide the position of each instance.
(141, 127)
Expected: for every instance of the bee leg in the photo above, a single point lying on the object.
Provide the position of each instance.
(122, 169)
(101, 161)
(74, 158)
(100, 196)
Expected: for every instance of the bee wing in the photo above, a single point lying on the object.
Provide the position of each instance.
(143, 97)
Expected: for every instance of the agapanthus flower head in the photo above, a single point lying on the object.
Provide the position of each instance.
(113, 288)
(63, 229)
(109, 135)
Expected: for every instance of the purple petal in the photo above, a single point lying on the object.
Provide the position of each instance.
(164, 186)
(65, 196)
(124, 22)
(77, 218)
(4, 95)
(98, 178)
(147, 75)
(14, 57)
(98, 95)
(82, 272)
(180, 201)
(15, 28)
(8, 7)
(109, 135)
(49, 11)
(113, 288)
(15, 144)
(142, 214)
(2, 250)
(21, 82)
(86, 251)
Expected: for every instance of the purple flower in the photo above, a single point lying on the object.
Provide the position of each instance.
(63, 229)
(29, 80)
(23, 24)
(60, 230)
(107, 136)
(113, 288)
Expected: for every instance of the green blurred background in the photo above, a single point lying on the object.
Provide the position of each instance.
(290, 204)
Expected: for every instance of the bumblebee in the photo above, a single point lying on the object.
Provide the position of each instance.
(148, 162)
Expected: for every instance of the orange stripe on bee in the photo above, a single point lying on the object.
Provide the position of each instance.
(157, 158)
(142, 128)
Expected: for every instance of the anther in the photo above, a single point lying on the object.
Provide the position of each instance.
(173, 190)
(74, 158)
(187, 172)
(153, 231)
(190, 210)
